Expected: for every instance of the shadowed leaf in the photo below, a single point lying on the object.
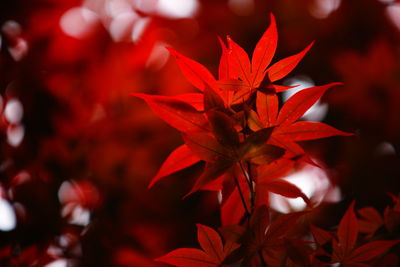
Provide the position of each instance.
(212, 171)
(206, 147)
(212, 99)
(188, 257)
(371, 250)
(348, 229)
(223, 128)
(176, 113)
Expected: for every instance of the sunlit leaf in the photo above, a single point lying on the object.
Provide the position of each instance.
(239, 61)
(283, 67)
(264, 51)
(286, 189)
(267, 107)
(306, 130)
(300, 102)
(197, 74)
(179, 159)
(193, 99)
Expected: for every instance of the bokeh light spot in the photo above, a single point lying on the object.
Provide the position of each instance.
(178, 8)
(15, 134)
(385, 148)
(12, 29)
(58, 263)
(321, 9)
(13, 111)
(138, 28)
(241, 7)
(78, 22)
(314, 183)
(393, 13)
(19, 50)
(7, 216)
(121, 26)
(158, 57)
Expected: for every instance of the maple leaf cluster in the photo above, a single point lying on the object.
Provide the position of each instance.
(235, 125)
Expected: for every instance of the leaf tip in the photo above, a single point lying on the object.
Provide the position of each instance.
(272, 18)
(172, 51)
(188, 194)
(150, 185)
(139, 95)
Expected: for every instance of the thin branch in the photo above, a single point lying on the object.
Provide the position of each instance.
(246, 210)
(252, 192)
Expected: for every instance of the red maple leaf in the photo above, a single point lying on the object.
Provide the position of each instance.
(345, 249)
(223, 128)
(287, 129)
(212, 254)
(263, 240)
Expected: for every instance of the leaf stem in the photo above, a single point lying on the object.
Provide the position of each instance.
(263, 263)
(246, 210)
(252, 192)
(249, 180)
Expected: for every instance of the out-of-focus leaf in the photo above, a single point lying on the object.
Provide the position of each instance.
(188, 257)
